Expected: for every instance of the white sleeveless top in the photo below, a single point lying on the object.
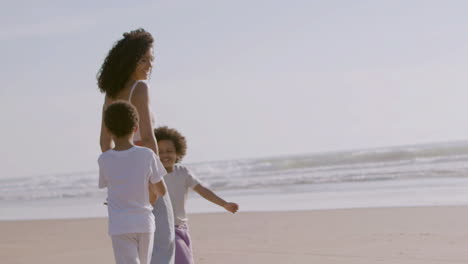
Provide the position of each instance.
(137, 136)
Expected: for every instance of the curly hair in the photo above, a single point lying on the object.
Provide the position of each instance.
(180, 143)
(121, 61)
(120, 118)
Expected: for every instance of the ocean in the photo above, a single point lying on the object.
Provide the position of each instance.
(415, 175)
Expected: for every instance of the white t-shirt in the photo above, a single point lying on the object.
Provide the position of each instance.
(178, 183)
(127, 174)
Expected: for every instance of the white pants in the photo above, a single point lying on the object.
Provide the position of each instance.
(133, 248)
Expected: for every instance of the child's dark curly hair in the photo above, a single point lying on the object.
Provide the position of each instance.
(121, 61)
(180, 143)
(120, 118)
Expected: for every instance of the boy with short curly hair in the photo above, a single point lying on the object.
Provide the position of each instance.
(128, 171)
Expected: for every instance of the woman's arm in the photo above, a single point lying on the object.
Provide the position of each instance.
(105, 140)
(158, 189)
(140, 100)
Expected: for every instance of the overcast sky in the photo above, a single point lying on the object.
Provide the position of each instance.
(240, 79)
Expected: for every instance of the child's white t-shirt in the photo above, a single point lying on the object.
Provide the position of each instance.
(127, 174)
(178, 183)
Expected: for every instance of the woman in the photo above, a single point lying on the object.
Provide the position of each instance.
(123, 76)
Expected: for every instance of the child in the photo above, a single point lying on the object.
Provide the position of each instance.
(172, 148)
(127, 171)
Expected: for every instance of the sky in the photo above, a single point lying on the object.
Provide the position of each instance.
(240, 79)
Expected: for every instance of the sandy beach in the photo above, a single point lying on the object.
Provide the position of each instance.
(379, 235)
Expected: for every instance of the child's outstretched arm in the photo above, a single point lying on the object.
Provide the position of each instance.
(212, 197)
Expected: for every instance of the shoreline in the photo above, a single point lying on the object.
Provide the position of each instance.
(386, 194)
(221, 211)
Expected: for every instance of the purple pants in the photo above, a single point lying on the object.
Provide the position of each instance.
(183, 245)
